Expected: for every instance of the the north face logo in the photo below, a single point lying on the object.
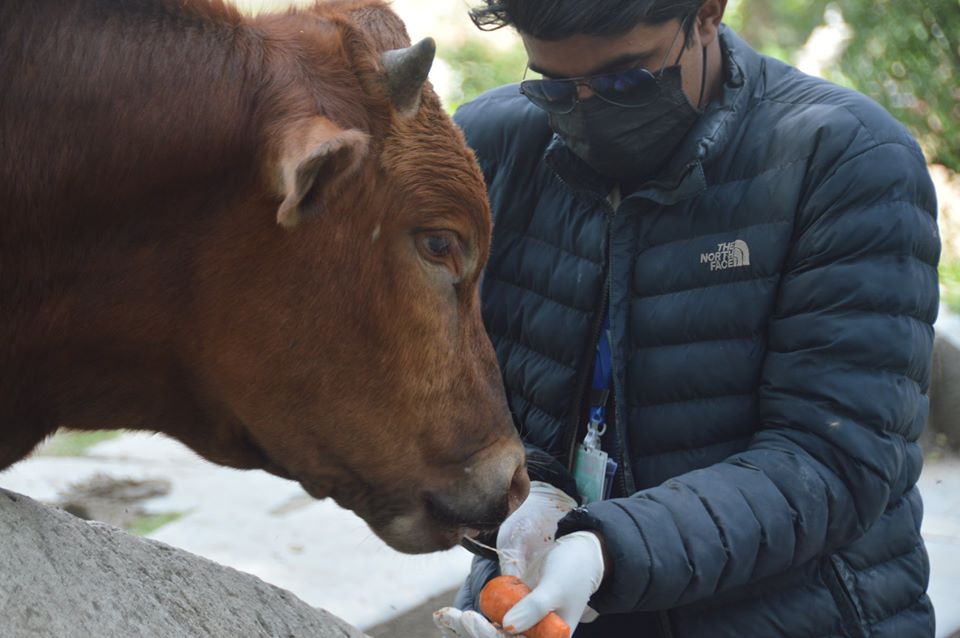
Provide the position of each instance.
(734, 254)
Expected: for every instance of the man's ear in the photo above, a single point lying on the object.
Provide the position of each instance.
(709, 18)
(315, 162)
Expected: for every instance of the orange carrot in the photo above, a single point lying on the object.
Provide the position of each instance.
(503, 592)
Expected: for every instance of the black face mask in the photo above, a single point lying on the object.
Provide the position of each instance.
(630, 142)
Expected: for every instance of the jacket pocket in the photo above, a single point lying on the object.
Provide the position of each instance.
(840, 580)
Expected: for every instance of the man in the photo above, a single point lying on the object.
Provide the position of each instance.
(752, 253)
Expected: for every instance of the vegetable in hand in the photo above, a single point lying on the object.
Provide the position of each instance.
(503, 592)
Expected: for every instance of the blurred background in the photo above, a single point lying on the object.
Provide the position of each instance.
(905, 55)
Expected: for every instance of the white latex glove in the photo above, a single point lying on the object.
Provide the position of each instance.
(524, 540)
(572, 572)
(528, 534)
(465, 624)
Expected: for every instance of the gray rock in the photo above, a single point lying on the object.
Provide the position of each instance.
(63, 577)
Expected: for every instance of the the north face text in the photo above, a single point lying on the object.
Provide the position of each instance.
(734, 254)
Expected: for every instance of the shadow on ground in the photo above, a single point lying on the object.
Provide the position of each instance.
(418, 622)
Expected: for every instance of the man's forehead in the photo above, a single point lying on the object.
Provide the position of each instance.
(581, 54)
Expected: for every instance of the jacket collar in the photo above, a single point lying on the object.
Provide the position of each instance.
(683, 176)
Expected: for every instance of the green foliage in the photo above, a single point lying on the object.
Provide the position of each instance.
(950, 285)
(904, 55)
(907, 57)
(775, 27)
(477, 67)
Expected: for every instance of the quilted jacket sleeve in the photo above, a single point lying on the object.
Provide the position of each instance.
(842, 400)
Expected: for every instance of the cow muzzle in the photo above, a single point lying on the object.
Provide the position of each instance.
(485, 492)
(481, 510)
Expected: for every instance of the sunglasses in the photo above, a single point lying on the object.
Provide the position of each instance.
(630, 88)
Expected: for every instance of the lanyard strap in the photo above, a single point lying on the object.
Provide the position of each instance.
(602, 372)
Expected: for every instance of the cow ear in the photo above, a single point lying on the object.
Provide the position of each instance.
(318, 159)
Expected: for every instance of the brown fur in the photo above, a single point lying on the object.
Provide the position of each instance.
(145, 283)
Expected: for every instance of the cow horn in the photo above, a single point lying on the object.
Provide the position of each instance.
(405, 71)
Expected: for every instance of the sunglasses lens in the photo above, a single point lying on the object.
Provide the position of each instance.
(630, 88)
(633, 87)
(555, 96)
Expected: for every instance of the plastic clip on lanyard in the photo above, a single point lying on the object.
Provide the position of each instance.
(593, 469)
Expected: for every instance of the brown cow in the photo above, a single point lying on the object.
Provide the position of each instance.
(148, 150)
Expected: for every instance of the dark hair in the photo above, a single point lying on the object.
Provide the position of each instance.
(559, 19)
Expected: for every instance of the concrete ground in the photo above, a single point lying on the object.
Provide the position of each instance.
(415, 623)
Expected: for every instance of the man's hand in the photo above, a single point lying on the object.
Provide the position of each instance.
(572, 572)
(563, 574)
(465, 624)
(528, 534)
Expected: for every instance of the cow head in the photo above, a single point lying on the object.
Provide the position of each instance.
(342, 333)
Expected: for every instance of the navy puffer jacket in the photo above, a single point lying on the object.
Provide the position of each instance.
(771, 298)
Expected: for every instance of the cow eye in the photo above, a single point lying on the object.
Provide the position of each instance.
(441, 247)
(437, 245)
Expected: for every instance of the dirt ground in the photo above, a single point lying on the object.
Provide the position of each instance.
(416, 623)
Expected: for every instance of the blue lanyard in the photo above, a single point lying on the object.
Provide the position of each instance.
(604, 450)
(602, 372)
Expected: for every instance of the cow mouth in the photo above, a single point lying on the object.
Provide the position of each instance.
(429, 537)
(460, 528)
(409, 524)
(399, 521)
(472, 534)
(469, 518)
(418, 531)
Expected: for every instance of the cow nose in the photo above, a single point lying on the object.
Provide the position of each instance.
(519, 489)
(492, 491)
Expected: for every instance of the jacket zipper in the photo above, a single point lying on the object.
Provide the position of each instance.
(618, 426)
(573, 423)
(622, 468)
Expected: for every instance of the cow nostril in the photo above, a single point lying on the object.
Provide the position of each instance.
(519, 488)
(457, 511)
(442, 511)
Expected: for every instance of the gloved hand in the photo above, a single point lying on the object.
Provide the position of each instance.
(572, 571)
(465, 624)
(528, 534)
(563, 574)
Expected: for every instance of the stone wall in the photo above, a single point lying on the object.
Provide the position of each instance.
(63, 577)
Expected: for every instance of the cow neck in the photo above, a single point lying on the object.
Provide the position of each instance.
(141, 130)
